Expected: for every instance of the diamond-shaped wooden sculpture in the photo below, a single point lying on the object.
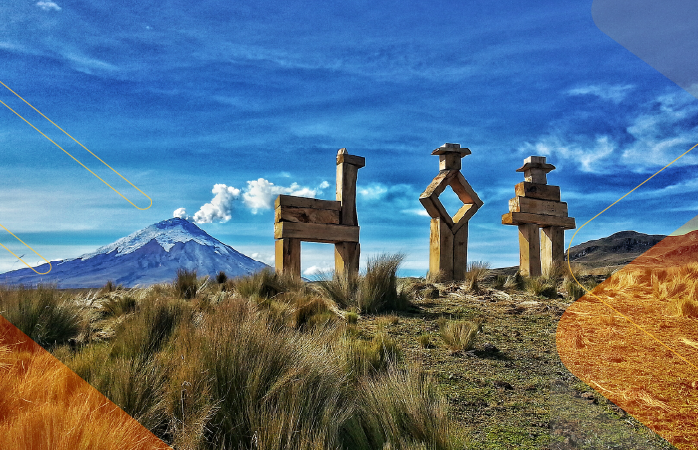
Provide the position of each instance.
(448, 249)
(537, 205)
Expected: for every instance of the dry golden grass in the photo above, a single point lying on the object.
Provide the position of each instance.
(637, 353)
(44, 405)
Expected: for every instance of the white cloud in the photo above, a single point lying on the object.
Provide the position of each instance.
(221, 206)
(181, 213)
(658, 132)
(261, 193)
(373, 191)
(589, 155)
(317, 270)
(416, 212)
(615, 94)
(48, 6)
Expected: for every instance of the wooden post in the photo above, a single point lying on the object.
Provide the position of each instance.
(529, 250)
(460, 252)
(441, 249)
(552, 247)
(347, 169)
(346, 258)
(287, 258)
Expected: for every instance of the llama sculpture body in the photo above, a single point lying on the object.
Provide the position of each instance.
(299, 219)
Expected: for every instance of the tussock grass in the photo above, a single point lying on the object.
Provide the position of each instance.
(376, 290)
(42, 314)
(459, 335)
(266, 284)
(686, 307)
(186, 283)
(401, 410)
(476, 272)
(221, 277)
(541, 287)
(274, 368)
(118, 306)
(515, 281)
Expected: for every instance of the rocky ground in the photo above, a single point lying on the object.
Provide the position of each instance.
(510, 390)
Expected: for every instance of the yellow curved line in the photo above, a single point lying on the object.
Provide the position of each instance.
(37, 253)
(74, 158)
(569, 265)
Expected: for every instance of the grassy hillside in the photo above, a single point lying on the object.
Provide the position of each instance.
(374, 362)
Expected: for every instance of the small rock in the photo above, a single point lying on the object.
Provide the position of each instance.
(503, 384)
(490, 348)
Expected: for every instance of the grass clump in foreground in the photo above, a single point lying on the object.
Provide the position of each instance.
(245, 373)
(376, 290)
(459, 335)
(43, 314)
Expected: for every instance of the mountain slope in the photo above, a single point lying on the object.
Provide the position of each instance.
(617, 249)
(148, 256)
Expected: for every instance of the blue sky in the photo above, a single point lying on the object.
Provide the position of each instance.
(252, 99)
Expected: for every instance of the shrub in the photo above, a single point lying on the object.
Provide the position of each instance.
(42, 314)
(186, 283)
(460, 335)
(221, 277)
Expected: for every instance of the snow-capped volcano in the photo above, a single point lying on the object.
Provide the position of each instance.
(148, 256)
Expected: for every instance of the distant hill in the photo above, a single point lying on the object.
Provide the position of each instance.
(148, 256)
(672, 251)
(615, 250)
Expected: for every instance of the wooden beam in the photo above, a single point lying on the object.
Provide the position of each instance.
(536, 206)
(529, 250)
(316, 232)
(346, 258)
(450, 161)
(346, 193)
(441, 249)
(302, 202)
(287, 256)
(539, 191)
(358, 161)
(306, 215)
(460, 252)
(465, 193)
(552, 247)
(519, 218)
(439, 183)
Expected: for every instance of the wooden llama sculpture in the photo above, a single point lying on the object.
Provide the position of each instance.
(537, 205)
(448, 250)
(299, 219)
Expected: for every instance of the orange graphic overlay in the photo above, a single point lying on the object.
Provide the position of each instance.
(44, 405)
(25, 263)
(74, 158)
(634, 338)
